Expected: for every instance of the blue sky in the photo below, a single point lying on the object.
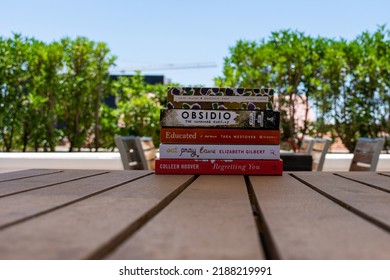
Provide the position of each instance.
(156, 33)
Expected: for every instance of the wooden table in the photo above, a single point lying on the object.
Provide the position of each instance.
(86, 214)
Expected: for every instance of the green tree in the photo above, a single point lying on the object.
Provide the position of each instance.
(371, 83)
(346, 83)
(85, 84)
(294, 62)
(108, 127)
(285, 62)
(139, 106)
(40, 110)
(75, 101)
(3, 87)
(14, 75)
(51, 88)
(101, 63)
(354, 97)
(330, 83)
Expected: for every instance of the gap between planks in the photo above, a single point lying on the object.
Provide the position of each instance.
(107, 248)
(266, 241)
(346, 206)
(47, 211)
(363, 183)
(28, 176)
(52, 184)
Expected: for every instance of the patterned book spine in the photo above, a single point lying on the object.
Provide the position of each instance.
(198, 151)
(220, 98)
(220, 136)
(262, 119)
(228, 167)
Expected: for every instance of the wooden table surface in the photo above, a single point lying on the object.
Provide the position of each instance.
(86, 214)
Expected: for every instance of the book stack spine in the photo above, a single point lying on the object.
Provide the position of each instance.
(219, 131)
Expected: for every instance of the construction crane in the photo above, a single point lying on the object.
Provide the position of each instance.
(170, 66)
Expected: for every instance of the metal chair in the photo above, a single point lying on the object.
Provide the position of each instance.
(319, 150)
(137, 153)
(307, 145)
(366, 154)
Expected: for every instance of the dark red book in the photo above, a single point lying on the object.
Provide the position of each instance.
(219, 136)
(219, 167)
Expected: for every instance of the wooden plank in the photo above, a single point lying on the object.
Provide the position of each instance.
(211, 219)
(373, 204)
(81, 229)
(45, 180)
(26, 205)
(300, 223)
(25, 174)
(369, 178)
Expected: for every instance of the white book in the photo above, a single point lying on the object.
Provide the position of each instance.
(200, 151)
(251, 119)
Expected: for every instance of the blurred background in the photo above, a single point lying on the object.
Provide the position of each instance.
(75, 73)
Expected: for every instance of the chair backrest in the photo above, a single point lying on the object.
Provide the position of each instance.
(150, 151)
(307, 145)
(366, 154)
(137, 153)
(319, 149)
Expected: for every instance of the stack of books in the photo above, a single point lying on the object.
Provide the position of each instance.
(219, 131)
